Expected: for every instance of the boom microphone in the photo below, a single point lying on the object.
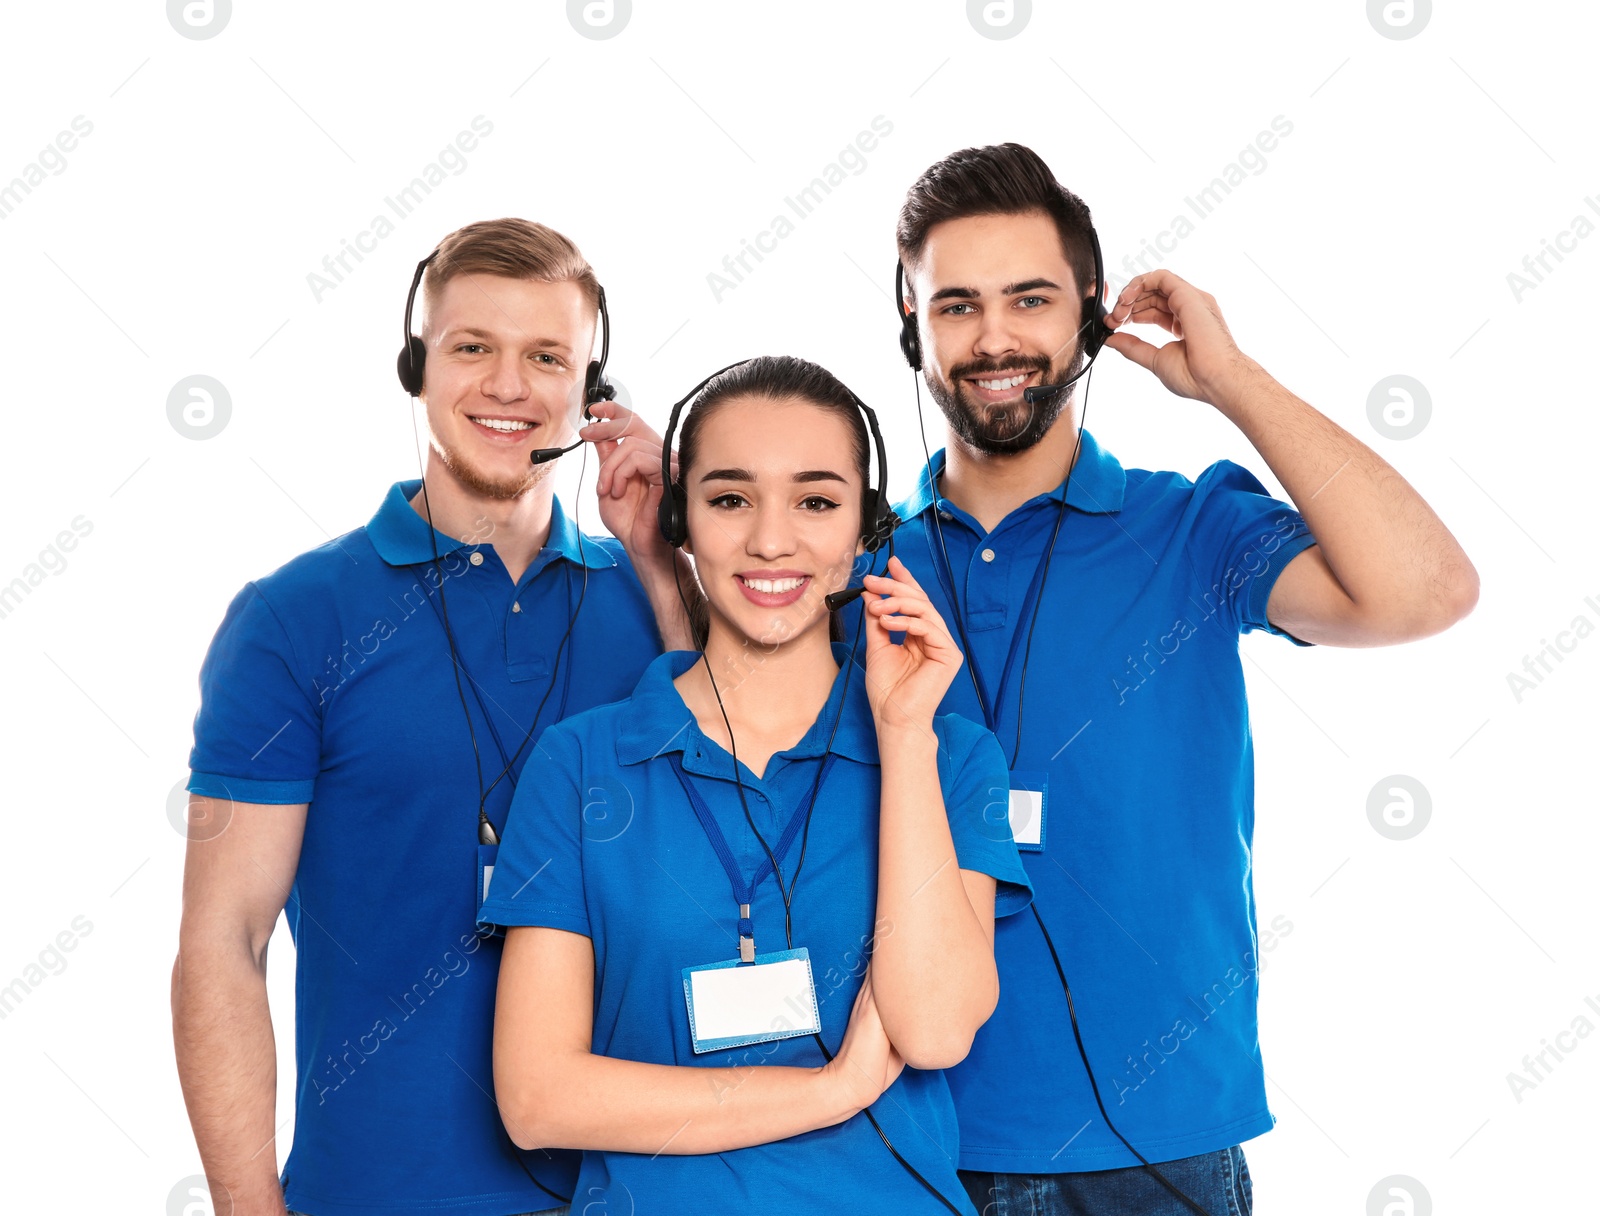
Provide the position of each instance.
(1043, 392)
(838, 599)
(544, 455)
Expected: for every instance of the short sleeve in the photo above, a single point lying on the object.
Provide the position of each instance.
(538, 872)
(977, 800)
(1242, 539)
(258, 732)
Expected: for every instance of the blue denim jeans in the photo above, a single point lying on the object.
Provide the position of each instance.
(1219, 1182)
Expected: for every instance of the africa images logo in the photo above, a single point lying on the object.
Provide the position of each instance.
(599, 19)
(999, 19)
(1399, 1195)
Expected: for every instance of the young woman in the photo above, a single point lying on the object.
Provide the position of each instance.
(762, 841)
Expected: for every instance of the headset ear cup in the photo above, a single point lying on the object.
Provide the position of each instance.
(672, 516)
(595, 388)
(878, 522)
(1095, 313)
(412, 359)
(664, 516)
(883, 525)
(1095, 329)
(910, 344)
(680, 513)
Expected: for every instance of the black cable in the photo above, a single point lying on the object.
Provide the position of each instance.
(597, 379)
(805, 833)
(449, 637)
(949, 569)
(1022, 687)
(456, 667)
(477, 694)
(961, 625)
(894, 1152)
(1044, 577)
(789, 939)
(788, 932)
(1094, 1087)
(572, 620)
(733, 748)
(517, 1153)
(555, 670)
(472, 681)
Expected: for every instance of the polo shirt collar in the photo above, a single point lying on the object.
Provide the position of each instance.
(1096, 485)
(563, 539)
(660, 722)
(401, 537)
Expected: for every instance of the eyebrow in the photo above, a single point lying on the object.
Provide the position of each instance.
(542, 343)
(809, 475)
(1010, 289)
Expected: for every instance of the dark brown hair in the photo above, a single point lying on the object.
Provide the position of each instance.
(1002, 179)
(774, 378)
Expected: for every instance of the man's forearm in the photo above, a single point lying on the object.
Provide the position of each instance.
(1386, 547)
(228, 1066)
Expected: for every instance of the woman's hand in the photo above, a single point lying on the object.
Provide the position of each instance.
(867, 1063)
(905, 683)
(629, 481)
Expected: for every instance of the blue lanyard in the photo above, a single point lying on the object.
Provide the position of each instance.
(566, 687)
(1035, 588)
(744, 891)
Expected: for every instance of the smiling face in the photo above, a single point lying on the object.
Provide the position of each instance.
(999, 312)
(504, 375)
(774, 515)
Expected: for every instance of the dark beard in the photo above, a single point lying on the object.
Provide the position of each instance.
(1000, 430)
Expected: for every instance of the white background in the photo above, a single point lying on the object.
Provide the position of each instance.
(1377, 241)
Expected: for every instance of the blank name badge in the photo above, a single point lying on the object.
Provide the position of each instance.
(1027, 810)
(734, 1004)
(486, 860)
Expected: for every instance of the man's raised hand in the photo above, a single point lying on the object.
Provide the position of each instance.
(1203, 363)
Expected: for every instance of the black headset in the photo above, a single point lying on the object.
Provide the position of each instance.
(878, 519)
(1093, 332)
(878, 522)
(414, 354)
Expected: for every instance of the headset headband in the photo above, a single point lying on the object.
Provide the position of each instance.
(879, 521)
(1093, 331)
(414, 352)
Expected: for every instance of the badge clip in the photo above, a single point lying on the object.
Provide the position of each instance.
(747, 939)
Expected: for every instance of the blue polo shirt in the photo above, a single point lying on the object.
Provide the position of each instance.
(607, 845)
(1135, 718)
(330, 682)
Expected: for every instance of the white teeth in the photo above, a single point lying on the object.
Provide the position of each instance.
(503, 424)
(997, 385)
(773, 586)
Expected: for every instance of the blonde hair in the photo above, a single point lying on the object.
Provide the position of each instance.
(511, 248)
